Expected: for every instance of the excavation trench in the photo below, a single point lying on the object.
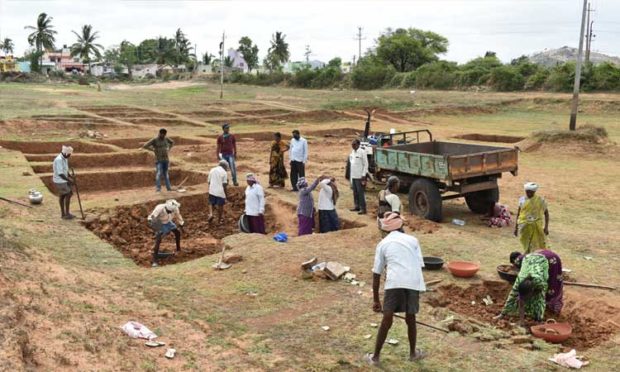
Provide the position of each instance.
(590, 323)
(268, 135)
(126, 228)
(55, 147)
(124, 180)
(136, 143)
(88, 161)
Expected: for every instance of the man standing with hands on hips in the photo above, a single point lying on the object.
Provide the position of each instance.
(299, 156)
(227, 148)
(359, 170)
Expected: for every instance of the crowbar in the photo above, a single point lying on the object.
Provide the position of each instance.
(77, 191)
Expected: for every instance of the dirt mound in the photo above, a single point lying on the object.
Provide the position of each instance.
(207, 113)
(108, 181)
(55, 147)
(335, 132)
(135, 143)
(263, 112)
(311, 116)
(586, 138)
(490, 138)
(114, 160)
(160, 121)
(590, 327)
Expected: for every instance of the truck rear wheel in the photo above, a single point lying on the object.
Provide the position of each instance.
(425, 200)
(480, 201)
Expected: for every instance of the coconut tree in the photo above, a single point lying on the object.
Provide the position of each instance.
(86, 46)
(7, 46)
(278, 52)
(42, 36)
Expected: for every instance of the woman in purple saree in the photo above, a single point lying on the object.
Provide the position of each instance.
(555, 288)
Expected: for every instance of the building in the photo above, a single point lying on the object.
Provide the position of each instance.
(105, 69)
(8, 64)
(143, 71)
(292, 67)
(238, 63)
(61, 60)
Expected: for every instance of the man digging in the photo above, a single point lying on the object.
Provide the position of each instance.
(218, 180)
(63, 182)
(401, 255)
(160, 146)
(162, 221)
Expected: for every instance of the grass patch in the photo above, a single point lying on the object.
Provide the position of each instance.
(585, 133)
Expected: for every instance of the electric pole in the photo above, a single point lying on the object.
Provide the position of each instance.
(575, 103)
(359, 43)
(307, 53)
(222, 66)
(588, 36)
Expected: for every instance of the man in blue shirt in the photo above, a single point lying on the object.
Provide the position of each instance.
(298, 155)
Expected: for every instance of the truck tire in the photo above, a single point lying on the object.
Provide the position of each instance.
(425, 200)
(480, 201)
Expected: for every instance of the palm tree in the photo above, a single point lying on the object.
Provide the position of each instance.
(85, 46)
(7, 45)
(278, 52)
(182, 46)
(43, 35)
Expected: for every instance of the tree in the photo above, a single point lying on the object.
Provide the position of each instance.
(335, 62)
(278, 53)
(228, 62)
(207, 58)
(182, 47)
(408, 49)
(111, 55)
(7, 45)
(43, 35)
(85, 46)
(249, 52)
(128, 56)
(164, 51)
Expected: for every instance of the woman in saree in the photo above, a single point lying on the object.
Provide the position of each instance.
(277, 171)
(531, 215)
(538, 286)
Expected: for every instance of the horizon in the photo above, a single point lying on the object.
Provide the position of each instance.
(470, 28)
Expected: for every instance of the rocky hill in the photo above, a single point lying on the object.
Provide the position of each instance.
(551, 57)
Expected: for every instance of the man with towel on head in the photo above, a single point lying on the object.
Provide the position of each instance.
(401, 256)
(162, 221)
(255, 204)
(530, 227)
(63, 182)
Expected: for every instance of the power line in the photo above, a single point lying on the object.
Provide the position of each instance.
(359, 41)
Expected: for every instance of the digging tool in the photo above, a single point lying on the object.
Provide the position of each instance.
(434, 282)
(589, 285)
(221, 265)
(424, 324)
(77, 191)
(15, 202)
(182, 183)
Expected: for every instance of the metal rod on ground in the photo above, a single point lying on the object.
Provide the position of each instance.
(589, 285)
(424, 324)
(15, 202)
(77, 192)
(434, 282)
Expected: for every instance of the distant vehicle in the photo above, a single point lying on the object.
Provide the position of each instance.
(434, 171)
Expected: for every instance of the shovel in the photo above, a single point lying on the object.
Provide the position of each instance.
(221, 265)
(77, 191)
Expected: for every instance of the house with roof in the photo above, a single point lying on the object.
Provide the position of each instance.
(61, 60)
(238, 63)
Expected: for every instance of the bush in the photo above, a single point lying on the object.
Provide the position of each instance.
(561, 78)
(477, 71)
(397, 80)
(537, 81)
(605, 76)
(303, 78)
(409, 81)
(436, 75)
(506, 78)
(327, 77)
(369, 75)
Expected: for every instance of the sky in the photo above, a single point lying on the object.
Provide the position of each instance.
(511, 28)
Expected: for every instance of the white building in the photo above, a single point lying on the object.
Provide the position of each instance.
(141, 71)
(238, 63)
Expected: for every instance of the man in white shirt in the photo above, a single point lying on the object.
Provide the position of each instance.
(63, 182)
(218, 179)
(255, 204)
(298, 154)
(162, 221)
(328, 218)
(359, 169)
(401, 256)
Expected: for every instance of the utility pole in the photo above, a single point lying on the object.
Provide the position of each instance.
(575, 103)
(359, 42)
(588, 36)
(307, 53)
(222, 66)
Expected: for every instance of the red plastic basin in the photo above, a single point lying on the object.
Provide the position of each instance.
(463, 269)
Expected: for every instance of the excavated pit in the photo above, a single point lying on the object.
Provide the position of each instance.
(590, 326)
(124, 180)
(126, 229)
(55, 147)
(263, 112)
(489, 138)
(136, 143)
(268, 135)
(87, 161)
(160, 121)
(119, 112)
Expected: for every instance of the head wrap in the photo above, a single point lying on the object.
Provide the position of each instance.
(531, 186)
(172, 205)
(223, 163)
(67, 150)
(391, 222)
(251, 177)
(225, 125)
(302, 183)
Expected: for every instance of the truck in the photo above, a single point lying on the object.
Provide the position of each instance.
(433, 171)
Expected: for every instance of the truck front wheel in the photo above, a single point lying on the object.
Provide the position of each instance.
(425, 200)
(480, 201)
